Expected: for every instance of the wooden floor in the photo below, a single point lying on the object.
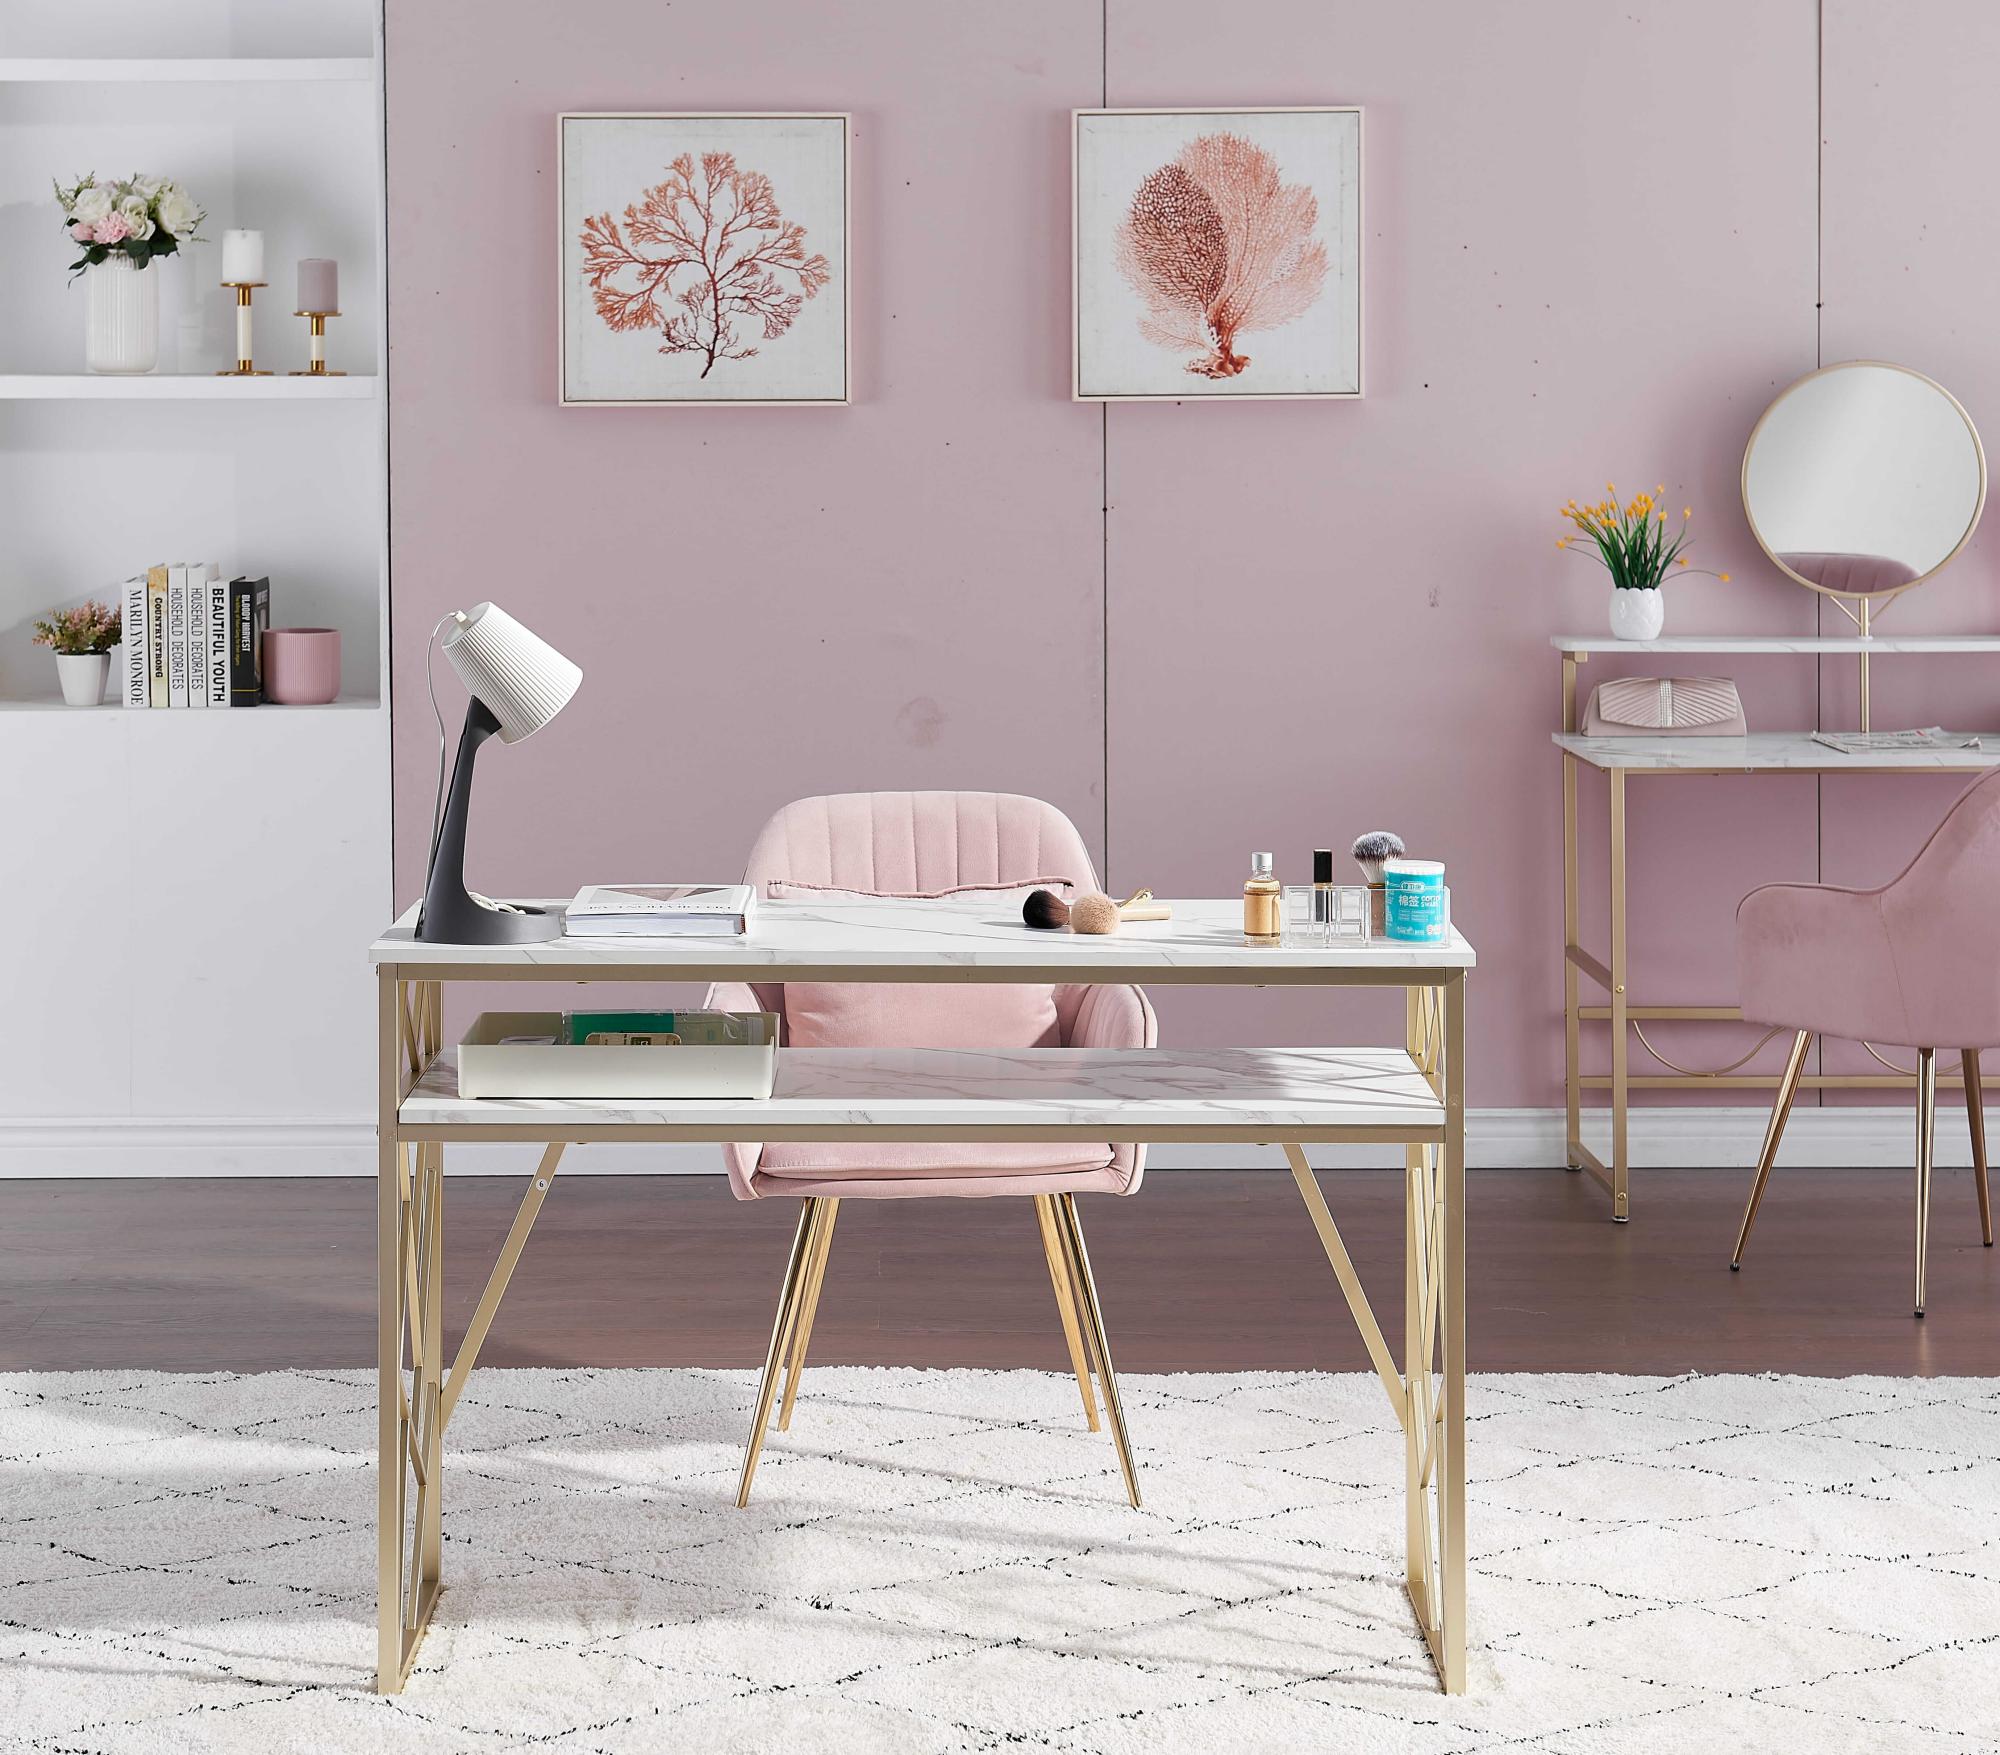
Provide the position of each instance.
(1200, 1271)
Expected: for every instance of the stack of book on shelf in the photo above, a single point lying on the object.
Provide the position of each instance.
(661, 911)
(193, 638)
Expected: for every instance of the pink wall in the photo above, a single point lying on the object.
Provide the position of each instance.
(1322, 617)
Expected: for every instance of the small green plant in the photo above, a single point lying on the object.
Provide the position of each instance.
(80, 632)
(1632, 541)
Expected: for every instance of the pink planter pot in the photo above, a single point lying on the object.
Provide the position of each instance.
(301, 666)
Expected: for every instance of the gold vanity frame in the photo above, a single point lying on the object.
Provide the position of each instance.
(418, 1390)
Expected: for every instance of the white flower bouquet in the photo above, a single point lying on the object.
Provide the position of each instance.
(140, 218)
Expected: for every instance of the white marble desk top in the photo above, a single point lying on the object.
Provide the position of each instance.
(931, 940)
(970, 1094)
(1755, 643)
(1765, 752)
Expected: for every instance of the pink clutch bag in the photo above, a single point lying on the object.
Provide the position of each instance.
(1643, 706)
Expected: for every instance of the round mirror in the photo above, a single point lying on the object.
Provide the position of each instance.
(1863, 479)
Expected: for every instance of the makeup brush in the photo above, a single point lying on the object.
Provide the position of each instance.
(1093, 914)
(1048, 912)
(1370, 852)
(1371, 849)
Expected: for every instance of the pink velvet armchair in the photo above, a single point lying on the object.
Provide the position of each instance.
(1916, 963)
(931, 845)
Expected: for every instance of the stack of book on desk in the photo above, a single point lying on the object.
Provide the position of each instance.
(661, 911)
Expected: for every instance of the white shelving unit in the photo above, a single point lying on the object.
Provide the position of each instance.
(205, 876)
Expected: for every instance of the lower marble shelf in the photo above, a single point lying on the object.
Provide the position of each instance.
(1261, 1094)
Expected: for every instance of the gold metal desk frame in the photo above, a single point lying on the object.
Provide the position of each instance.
(1626, 1016)
(418, 1391)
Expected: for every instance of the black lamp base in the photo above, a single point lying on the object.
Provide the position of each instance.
(465, 920)
(451, 914)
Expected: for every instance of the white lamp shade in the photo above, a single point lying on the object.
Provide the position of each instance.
(523, 680)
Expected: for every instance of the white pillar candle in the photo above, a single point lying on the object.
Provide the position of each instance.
(243, 258)
(319, 285)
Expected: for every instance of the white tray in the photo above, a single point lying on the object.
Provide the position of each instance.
(488, 1066)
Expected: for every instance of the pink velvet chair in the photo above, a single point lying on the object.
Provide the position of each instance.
(931, 845)
(1916, 962)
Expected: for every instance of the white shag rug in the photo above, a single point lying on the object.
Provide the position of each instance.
(945, 1560)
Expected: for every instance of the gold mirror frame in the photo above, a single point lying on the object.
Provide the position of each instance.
(1867, 599)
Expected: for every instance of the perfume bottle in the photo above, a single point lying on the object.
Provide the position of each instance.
(1262, 916)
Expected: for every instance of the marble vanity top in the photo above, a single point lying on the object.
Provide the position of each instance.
(1773, 751)
(1288, 1093)
(926, 938)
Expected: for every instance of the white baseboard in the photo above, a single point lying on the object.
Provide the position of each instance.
(1496, 1139)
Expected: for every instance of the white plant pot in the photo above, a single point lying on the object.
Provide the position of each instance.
(122, 330)
(83, 675)
(1637, 615)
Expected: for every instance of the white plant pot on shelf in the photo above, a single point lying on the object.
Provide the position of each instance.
(1637, 614)
(122, 329)
(83, 676)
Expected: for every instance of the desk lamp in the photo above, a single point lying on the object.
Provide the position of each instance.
(517, 682)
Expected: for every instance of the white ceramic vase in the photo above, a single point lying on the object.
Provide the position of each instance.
(1636, 614)
(122, 332)
(83, 676)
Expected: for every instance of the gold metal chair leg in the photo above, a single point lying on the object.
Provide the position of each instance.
(781, 1330)
(1926, 1152)
(1781, 1111)
(809, 1308)
(1065, 1305)
(1071, 1230)
(1975, 1119)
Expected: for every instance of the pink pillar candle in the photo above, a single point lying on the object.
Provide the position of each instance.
(319, 285)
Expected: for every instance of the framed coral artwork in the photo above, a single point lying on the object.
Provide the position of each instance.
(1217, 253)
(703, 260)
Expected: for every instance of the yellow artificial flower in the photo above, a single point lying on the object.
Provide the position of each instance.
(1724, 577)
(1687, 511)
(1682, 559)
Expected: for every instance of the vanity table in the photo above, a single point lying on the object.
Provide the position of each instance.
(1412, 1096)
(1621, 758)
(1860, 481)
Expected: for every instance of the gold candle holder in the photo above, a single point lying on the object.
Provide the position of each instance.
(244, 367)
(316, 343)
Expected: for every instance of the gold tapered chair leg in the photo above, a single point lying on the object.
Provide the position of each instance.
(1926, 1152)
(809, 1308)
(1975, 1119)
(781, 1331)
(1065, 1304)
(1071, 1231)
(1781, 1111)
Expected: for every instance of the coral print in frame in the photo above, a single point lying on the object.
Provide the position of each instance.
(703, 260)
(1217, 253)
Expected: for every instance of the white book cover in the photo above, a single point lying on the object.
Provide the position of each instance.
(133, 651)
(197, 632)
(216, 648)
(177, 625)
(691, 910)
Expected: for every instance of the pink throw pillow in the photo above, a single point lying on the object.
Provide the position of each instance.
(939, 1014)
